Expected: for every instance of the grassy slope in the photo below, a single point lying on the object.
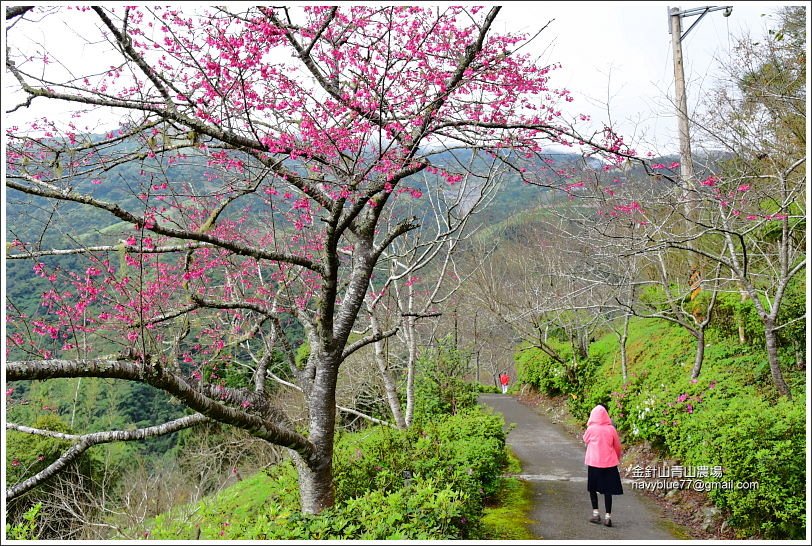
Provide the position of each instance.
(223, 514)
(731, 416)
(657, 348)
(237, 506)
(231, 513)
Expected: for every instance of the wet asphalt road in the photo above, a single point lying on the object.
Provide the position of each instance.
(553, 463)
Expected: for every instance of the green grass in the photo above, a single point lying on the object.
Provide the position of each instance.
(509, 520)
(219, 516)
(211, 517)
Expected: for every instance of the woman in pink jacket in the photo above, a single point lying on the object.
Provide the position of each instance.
(602, 459)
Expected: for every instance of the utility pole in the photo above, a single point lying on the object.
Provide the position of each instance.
(675, 16)
(686, 163)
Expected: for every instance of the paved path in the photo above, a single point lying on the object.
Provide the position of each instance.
(553, 462)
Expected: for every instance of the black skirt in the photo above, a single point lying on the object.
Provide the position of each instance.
(603, 480)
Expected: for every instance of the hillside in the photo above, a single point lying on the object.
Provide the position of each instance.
(729, 418)
(90, 405)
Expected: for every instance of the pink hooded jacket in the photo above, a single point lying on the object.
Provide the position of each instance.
(601, 439)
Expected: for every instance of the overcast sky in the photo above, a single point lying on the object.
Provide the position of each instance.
(612, 52)
(620, 53)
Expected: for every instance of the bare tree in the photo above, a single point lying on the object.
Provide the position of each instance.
(543, 278)
(421, 273)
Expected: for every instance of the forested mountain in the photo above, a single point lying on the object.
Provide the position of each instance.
(94, 405)
(44, 224)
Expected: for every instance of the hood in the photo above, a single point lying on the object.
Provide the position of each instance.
(599, 416)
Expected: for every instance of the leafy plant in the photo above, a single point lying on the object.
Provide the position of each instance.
(439, 387)
(722, 418)
(27, 528)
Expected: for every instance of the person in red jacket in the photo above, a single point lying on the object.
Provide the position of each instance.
(504, 379)
(602, 459)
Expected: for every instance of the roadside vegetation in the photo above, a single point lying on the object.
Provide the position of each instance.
(729, 417)
(435, 480)
(440, 479)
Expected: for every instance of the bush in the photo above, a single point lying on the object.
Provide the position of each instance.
(420, 511)
(754, 442)
(372, 459)
(730, 416)
(547, 375)
(465, 451)
(26, 528)
(578, 379)
(469, 449)
(730, 312)
(482, 388)
(454, 463)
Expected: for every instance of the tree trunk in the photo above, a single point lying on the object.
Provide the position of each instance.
(411, 339)
(742, 336)
(772, 357)
(624, 359)
(316, 474)
(315, 484)
(624, 355)
(390, 386)
(740, 320)
(699, 357)
(580, 345)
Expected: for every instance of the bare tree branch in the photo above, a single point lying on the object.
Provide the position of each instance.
(363, 342)
(168, 382)
(86, 441)
(17, 11)
(108, 248)
(122, 214)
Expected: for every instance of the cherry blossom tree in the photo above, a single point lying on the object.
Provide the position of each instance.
(261, 150)
(636, 216)
(751, 227)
